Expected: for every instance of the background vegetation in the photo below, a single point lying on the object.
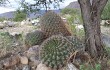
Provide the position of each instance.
(19, 16)
(106, 12)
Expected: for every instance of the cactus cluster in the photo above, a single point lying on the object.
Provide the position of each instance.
(59, 45)
(52, 24)
(55, 50)
(78, 45)
(34, 38)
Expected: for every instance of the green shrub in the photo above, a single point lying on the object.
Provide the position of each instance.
(19, 16)
(2, 19)
(90, 67)
(72, 15)
(106, 12)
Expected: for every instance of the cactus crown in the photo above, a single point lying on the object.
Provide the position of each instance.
(55, 51)
(52, 24)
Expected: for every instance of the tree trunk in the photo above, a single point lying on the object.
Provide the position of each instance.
(91, 13)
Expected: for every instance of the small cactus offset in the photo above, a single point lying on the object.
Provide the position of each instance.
(52, 24)
(55, 51)
(78, 45)
(34, 38)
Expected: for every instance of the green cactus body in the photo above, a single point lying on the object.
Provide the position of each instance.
(52, 24)
(34, 38)
(55, 50)
(78, 45)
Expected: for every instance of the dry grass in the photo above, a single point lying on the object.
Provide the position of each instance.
(7, 43)
(18, 29)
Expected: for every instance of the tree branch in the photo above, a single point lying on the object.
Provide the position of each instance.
(85, 6)
(102, 4)
(99, 5)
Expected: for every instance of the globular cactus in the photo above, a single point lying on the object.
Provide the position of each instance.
(78, 44)
(5, 44)
(55, 51)
(34, 38)
(52, 24)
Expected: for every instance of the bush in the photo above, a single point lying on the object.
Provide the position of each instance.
(90, 67)
(106, 12)
(2, 19)
(73, 17)
(19, 16)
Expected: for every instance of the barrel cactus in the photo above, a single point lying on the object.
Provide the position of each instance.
(78, 45)
(55, 51)
(34, 38)
(52, 24)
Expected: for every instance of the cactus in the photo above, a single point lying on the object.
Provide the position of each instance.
(5, 43)
(78, 45)
(34, 38)
(52, 24)
(55, 50)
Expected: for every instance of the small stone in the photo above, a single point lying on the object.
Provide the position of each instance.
(43, 67)
(69, 66)
(10, 24)
(34, 60)
(33, 51)
(23, 59)
(2, 26)
(11, 61)
(26, 67)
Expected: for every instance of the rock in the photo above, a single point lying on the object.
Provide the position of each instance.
(15, 33)
(106, 40)
(11, 61)
(43, 67)
(23, 23)
(103, 22)
(26, 67)
(2, 26)
(69, 66)
(23, 59)
(10, 24)
(33, 51)
(34, 60)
